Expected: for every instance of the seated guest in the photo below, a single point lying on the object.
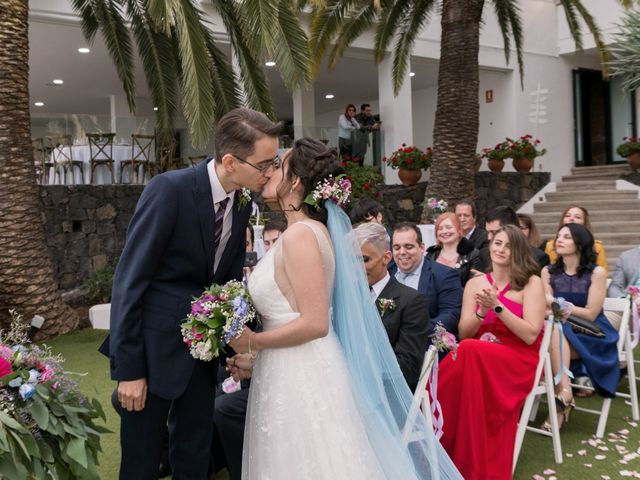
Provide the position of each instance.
(404, 311)
(528, 227)
(366, 210)
(229, 420)
(582, 284)
(466, 213)
(498, 218)
(271, 233)
(452, 249)
(441, 285)
(579, 215)
(627, 273)
(483, 388)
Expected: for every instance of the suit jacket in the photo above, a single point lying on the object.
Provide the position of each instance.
(168, 259)
(407, 326)
(441, 285)
(479, 238)
(627, 268)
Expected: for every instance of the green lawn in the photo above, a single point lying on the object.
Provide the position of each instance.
(80, 350)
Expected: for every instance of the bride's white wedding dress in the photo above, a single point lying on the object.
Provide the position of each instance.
(302, 421)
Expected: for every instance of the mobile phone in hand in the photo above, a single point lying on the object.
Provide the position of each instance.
(250, 259)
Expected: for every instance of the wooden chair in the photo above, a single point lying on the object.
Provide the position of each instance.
(625, 353)
(63, 158)
(422, 404)
(101, 153)
(41, 161)
(141, 157)
(540, 387)
(166, 157)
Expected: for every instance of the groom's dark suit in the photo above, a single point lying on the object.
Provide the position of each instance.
(168, 259)
(407, 326)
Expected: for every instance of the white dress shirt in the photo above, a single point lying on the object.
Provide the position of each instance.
(410, 279)
(376, 288)
(468, 235)
(218, 194)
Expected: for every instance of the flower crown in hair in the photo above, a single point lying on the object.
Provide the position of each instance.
(335, 189)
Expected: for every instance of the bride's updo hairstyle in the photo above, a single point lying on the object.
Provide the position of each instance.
(311, 161)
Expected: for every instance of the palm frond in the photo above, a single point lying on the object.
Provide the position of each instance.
(260, 17)
(352, 28)
(195, 78)
(326, 21)
(572, 22)
(254, 82)
(509, 20)
(390, 18)
(159, 64)
(88, 21)
(625, 63)
(161, 14)
(597, 37)
(291, 50)
(409, 29)
(226, 93)
(118, 42)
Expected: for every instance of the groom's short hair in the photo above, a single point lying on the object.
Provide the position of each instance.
(239, 130)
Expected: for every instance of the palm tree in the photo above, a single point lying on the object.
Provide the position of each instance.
(457, 109)
(26, 272)
(180, 56)
(626, 55)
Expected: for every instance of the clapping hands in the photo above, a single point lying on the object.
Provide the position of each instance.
(487, 298)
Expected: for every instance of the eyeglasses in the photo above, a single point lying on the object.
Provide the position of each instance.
(264, 166)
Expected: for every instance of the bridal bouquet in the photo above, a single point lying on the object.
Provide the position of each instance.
(217, 317)
(47, 427)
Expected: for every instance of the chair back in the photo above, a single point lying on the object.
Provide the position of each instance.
(141, 146)
(544, 349)
(101, 146)
(62, 148)
(166, 152)
(623, 306)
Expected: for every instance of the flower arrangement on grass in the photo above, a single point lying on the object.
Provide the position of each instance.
(365, 179)
(47, 427)
(410, 158)
(630, 146)
(217, 317)
(524, 147)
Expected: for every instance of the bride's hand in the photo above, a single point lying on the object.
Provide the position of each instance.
(240, 366)
(244, 343)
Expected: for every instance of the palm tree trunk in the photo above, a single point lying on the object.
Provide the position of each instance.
(26, 273)
(457, 113)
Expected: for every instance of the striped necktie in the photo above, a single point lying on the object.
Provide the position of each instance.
(218, 221)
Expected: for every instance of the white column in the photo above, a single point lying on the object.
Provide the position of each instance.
(123, 122)
(395, 113)
(304, 112)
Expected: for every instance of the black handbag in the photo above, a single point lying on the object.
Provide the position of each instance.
(580, 325)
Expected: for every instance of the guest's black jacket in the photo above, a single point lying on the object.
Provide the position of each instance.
(468, 258)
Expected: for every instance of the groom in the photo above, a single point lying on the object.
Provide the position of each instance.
(187, 232)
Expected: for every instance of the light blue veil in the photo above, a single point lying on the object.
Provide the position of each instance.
(381, 393)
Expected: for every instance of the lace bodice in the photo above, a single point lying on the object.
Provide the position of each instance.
(267, 295)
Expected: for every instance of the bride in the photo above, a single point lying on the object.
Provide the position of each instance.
(327, 397)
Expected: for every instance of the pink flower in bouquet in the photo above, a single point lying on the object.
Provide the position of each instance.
(449, 340)
(47, 374)
(444, 340)
(6, 352)
(633, 291)
(5, 367)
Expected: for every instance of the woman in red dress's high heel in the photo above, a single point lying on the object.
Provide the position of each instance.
(482, 391)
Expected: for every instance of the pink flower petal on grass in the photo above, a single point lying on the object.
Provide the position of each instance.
(548, 471)
(538, 477)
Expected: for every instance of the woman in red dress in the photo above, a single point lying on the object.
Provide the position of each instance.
(483, 389)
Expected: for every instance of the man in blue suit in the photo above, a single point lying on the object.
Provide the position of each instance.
(440, 284)
(187, 232)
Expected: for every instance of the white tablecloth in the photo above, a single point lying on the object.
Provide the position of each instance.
(101, 176)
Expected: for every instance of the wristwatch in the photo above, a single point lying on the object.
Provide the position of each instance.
(498, 308)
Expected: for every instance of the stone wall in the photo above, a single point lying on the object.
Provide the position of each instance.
(512, 189)
(86, 225)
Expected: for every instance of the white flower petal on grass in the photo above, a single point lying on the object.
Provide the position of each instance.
(592, 442)
(588, 465)
(582, 452)
(626, 473)
(602, 448)
(569, 455)
(623, 462)
(605, 477)
(600, 457)
(552, 477)
(624, 431)
(633, 424)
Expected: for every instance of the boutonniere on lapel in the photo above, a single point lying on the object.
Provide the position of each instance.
(386, 305)
(245, 198)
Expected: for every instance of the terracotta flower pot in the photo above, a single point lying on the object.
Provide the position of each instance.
(409, 177)
(634, 161)
(496, 164)
(523, 164)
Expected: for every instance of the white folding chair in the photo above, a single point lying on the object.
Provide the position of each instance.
(421, 401)
(625, 352)
(544, 387)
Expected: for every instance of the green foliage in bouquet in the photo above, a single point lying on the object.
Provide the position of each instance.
(365, 179)
(47, 427)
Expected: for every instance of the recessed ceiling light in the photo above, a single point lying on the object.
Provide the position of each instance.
(412, 74)
(84, 50)
(155, 109)
(57, 81)
(270, 63)
(39, 104)
(329, 96)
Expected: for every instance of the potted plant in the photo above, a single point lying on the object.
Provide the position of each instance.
(630, 149)
(524, 151)
(410, 161)
(495, 156)
(365, 179)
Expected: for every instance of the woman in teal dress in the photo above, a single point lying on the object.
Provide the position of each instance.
(576, 278)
